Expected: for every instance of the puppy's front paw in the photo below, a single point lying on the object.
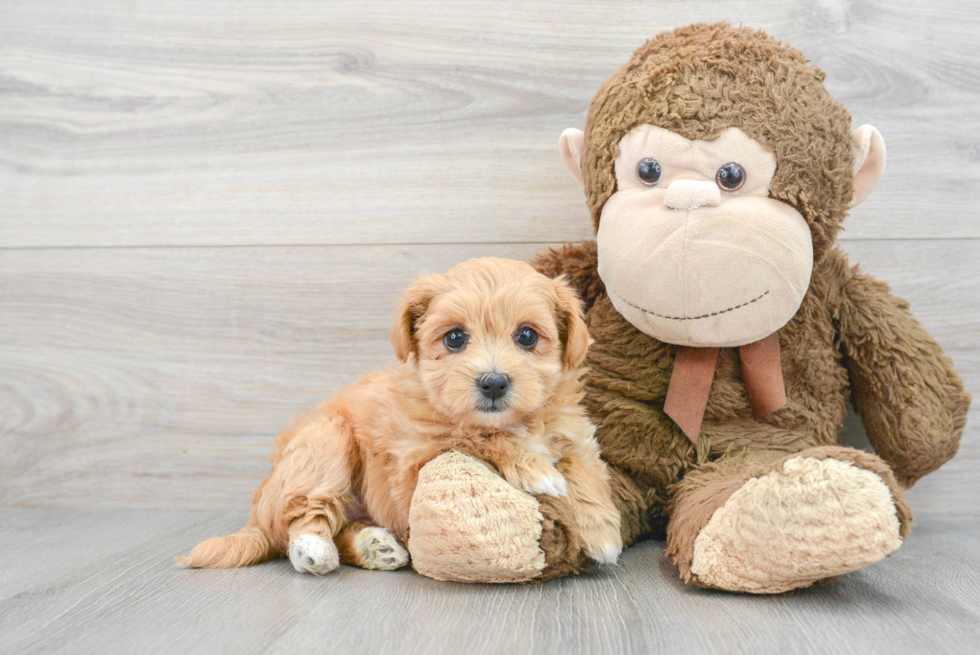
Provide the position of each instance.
(536, 476)
(312, 554)
(607, 553)
(549, 485)
(603, 542)
(379, 550)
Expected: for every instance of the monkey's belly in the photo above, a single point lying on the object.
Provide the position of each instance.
(627, 385)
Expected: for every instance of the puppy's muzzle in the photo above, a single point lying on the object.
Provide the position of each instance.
(493, 386)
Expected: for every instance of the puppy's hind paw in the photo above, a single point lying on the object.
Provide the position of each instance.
(312, 554)
(550, 485)
(379, 550)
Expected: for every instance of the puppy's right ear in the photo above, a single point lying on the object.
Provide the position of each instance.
(412, 307)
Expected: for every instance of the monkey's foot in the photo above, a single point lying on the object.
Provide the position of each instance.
(806, 520)
(469, 525)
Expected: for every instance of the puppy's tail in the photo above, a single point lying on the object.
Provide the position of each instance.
(249, 546)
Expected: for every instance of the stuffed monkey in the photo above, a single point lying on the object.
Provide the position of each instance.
(729, 333)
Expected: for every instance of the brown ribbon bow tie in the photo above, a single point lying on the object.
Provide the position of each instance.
(694, 369)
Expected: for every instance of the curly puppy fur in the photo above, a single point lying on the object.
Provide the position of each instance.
(353, 464)
(851, 338)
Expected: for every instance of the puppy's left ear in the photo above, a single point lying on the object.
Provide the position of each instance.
(411, 309)
(572, 331)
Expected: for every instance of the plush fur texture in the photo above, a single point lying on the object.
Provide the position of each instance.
(850, 339)
(468, 525)
(343, 478)
(832, 517)
(697, 81)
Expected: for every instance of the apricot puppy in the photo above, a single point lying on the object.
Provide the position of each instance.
(490, 366)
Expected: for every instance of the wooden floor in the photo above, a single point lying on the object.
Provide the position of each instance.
(102, 581)
(208, 211)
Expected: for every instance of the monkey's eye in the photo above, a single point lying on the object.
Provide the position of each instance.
(649, 171)
(455, 339)
(526, 337)
(730, 177)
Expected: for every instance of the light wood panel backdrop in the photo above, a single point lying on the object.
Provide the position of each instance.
(207, 209)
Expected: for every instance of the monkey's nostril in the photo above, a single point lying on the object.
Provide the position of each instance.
(493, 385)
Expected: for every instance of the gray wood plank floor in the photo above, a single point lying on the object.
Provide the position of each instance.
(93, 581)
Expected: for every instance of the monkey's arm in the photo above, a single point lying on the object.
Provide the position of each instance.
(578, 262)
(906, 391)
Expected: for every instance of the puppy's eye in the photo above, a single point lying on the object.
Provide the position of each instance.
(730, 177)
(649, 171)
(455, 339)
(526, 337)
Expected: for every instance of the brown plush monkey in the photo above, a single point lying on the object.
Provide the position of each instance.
(730, 330)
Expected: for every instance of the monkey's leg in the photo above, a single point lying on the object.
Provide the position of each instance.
(459, 501)
(369, 546)
(467, 524)
(769, 522)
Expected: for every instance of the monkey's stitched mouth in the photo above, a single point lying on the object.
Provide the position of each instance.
(692, 318)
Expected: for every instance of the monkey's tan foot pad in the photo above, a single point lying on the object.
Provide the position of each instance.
(467, 524)
(810, 520)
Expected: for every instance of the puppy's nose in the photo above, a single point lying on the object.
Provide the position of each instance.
(493, 385)
(691, 194)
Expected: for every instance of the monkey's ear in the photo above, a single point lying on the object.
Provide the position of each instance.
(411, 309)
(572, 331)
(869, 161)
(571, 144)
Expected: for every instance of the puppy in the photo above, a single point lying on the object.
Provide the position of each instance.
(490, 358)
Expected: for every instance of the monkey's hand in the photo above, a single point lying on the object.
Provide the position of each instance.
(906, 391)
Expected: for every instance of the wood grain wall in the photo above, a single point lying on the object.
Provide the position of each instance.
(208, 210)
